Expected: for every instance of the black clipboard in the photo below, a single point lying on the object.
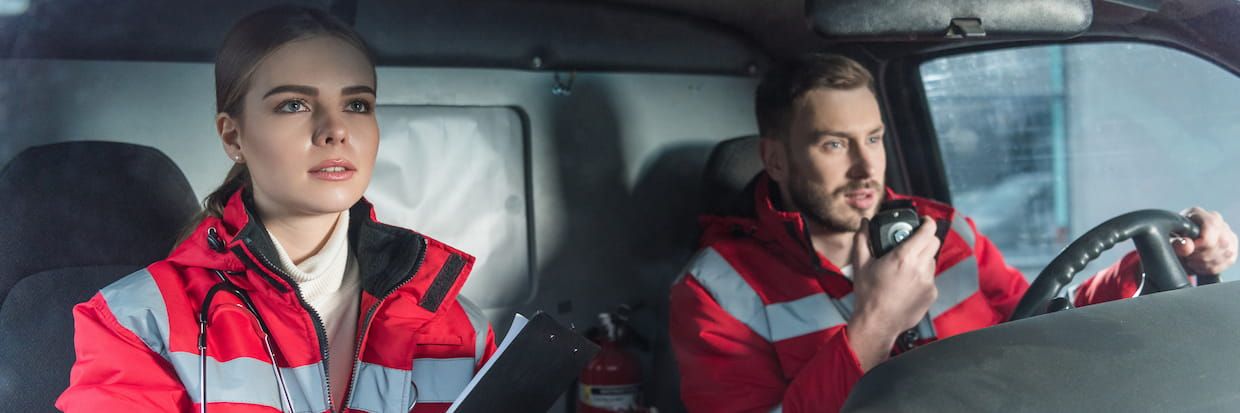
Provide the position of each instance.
(531, 372)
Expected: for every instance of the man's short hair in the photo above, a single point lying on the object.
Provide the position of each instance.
(785, 83)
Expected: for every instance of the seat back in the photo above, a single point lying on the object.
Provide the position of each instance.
(732, 165)
(76, 217)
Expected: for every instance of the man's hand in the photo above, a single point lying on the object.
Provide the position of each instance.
(1214, 250)
(892, 292)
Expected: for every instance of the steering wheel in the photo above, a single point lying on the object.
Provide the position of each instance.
(1149, 229)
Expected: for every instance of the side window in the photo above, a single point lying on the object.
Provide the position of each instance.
(1040, 144)
(457, 174)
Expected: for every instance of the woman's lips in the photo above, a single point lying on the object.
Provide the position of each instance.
(334, 173)
(333, 170)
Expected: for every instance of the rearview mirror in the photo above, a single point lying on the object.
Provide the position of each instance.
(948, 19)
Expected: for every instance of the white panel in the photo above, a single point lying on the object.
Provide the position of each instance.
(457, 174)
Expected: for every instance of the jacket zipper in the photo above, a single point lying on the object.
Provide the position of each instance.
(808, 243)
(319, 327)
(370, 313)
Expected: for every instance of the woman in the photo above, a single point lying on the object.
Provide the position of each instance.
(287, 266)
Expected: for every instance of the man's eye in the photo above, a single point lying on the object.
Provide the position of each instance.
(293, 106)
(875, 139)
(834, 145)
(359, 106)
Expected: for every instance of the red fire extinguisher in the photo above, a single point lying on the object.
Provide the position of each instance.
(612, 381)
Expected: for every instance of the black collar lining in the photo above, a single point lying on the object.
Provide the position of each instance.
(387, 256)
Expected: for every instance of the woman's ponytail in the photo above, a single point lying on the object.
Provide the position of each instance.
(213, 206)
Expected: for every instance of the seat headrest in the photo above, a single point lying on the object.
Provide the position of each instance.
(732, 165)
(88, 203)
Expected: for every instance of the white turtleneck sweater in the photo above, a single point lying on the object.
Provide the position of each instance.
(330, 283)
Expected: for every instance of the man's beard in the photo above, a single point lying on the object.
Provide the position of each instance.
(816, 204)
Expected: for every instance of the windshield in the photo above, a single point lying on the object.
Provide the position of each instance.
(1039, 144)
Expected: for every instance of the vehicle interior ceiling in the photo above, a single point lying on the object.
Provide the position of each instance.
(613, 108)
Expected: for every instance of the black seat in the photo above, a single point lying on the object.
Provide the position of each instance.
(76, 216)
(728, 170)
(732, 165)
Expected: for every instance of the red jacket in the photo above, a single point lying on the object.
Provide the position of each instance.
(136, 340)
(756, 324)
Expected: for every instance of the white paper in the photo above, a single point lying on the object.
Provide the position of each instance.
(518, 323)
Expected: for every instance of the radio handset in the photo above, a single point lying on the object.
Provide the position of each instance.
(895, 222)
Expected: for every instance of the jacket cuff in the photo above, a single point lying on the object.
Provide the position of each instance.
(1119, 281)
(823, 384)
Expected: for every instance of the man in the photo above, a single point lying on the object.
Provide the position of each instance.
(784, 308)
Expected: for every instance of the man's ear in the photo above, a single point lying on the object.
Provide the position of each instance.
(774, 152)
(229, 129)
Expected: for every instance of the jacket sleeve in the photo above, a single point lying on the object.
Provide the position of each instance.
(489, 349)
(1120, 280)
(115, 371)
(726, 367)
(484, 334)
(1002, 285)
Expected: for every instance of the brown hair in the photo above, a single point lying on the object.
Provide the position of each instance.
(245, 46)
(785, 83)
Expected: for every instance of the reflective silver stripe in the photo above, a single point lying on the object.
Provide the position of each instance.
(803, 316)
(251, 381)
(136, 303)
(778, 409)
(480, 323)
(380, 389)
(961, 227)
(925, 328)
(955, 285)
(1140, 287)
(813, 313)
(959, 282)
(441, 380)
(846, 304)
(729, 290)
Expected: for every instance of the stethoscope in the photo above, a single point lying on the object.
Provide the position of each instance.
(204, 312)
(227, 286)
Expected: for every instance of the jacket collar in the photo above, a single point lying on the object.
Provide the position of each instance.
(785, 234)
(759, 216)
(765, 219)
(786, 228)
(387, 256)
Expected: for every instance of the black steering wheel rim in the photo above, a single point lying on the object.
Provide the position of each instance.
(1149, 229)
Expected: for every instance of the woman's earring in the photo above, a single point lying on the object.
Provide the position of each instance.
(237, 158)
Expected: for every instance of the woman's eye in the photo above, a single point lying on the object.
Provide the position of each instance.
(293, 106)
(359, 106)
